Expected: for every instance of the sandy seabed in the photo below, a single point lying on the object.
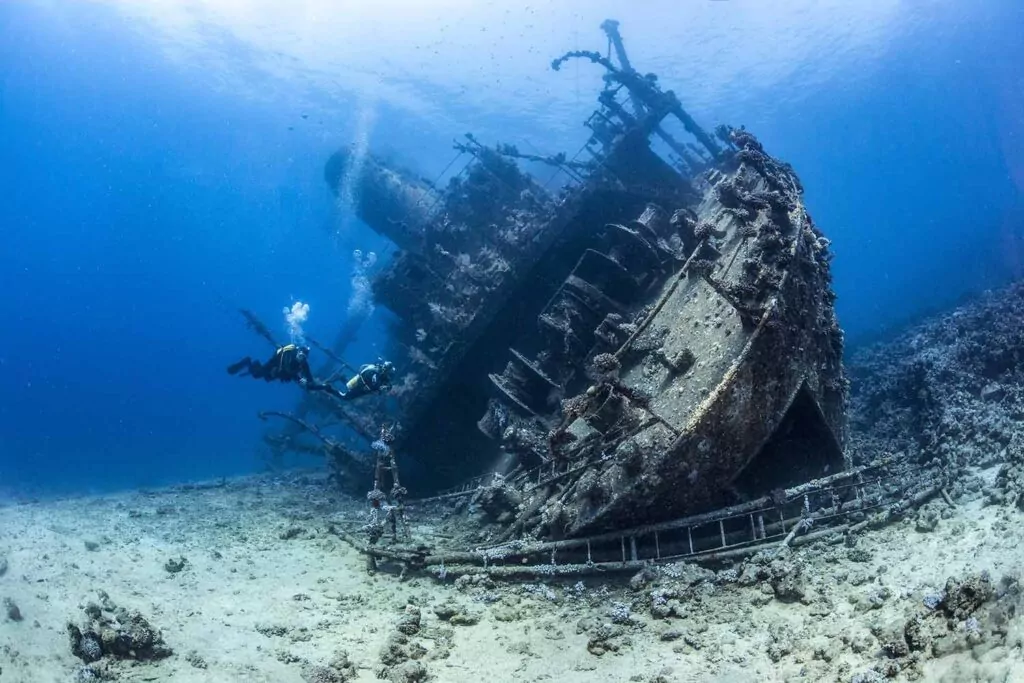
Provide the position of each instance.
(267, 593)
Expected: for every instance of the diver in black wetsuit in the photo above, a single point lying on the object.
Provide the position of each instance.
(289, 364)
(370, 379)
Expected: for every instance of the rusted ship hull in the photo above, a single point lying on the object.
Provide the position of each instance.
(656, 339)
(763, 404)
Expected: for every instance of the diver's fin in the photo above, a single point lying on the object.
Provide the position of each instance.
(234, 368)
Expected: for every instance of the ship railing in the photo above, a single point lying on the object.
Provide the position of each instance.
(844, 502)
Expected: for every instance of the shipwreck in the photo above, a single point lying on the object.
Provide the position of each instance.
(650, 347)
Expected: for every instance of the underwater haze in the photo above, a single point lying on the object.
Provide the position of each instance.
(162, 166)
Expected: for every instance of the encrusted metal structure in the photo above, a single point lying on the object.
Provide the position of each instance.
(655, 339)
(842, 504)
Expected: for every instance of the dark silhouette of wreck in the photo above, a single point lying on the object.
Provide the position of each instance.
(656, 338)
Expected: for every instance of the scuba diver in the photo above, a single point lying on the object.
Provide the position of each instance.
(289, 363)
(370, 379)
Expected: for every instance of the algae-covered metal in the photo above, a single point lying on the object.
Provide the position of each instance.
(655, 338)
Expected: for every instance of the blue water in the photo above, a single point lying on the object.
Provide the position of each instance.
(160, 165)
